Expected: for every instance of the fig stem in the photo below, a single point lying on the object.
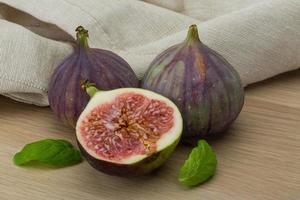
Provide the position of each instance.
(89, 87)
(82, 36)
(192, 35)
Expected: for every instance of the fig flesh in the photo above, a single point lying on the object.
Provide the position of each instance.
(128, 131)
(204, 86)
(104, 68)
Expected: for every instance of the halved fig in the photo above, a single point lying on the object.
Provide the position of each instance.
(128, 131)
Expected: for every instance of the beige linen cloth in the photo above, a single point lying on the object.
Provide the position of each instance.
(260, 38)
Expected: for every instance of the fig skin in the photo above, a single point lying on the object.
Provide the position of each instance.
(205, 87)
(128, 170)
(104, 68)
(144, 166)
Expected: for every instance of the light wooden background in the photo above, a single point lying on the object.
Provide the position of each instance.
(259, 158)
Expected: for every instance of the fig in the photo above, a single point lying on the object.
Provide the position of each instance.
(127, 131)
(204, 86)
(104, 68)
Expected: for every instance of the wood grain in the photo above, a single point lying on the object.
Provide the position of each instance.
(259, 158)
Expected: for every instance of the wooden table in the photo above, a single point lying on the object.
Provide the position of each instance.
(259, 158)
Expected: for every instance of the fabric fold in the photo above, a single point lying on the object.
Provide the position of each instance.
(259, 38)
(27, 62)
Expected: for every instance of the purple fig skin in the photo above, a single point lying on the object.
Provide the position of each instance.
(205, 87)
(102, 67)
(144, 166)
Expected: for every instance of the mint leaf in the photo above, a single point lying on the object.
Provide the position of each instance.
(200, 165)
(51, 152)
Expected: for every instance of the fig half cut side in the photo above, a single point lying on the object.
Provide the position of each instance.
(128, 131)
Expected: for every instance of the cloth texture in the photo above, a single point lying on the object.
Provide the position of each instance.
(260, 38)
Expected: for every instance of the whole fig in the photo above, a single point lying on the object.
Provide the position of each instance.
(204, 86)
(104, 68)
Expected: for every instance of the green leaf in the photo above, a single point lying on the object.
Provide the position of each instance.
(200, 165)
(57, 153)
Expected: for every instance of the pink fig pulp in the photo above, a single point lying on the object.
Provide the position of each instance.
(128, 131)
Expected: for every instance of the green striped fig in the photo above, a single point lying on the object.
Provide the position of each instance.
(204, 86)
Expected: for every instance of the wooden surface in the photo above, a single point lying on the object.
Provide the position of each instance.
(259, 158)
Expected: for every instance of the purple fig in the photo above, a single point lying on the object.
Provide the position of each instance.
(104, 68)
(204, 86)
